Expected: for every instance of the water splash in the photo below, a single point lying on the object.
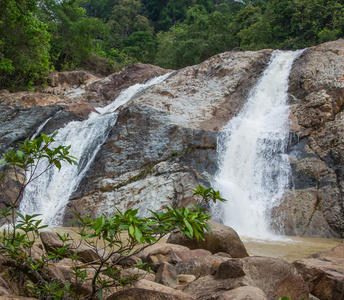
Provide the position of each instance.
(254, 169)
(49, 194)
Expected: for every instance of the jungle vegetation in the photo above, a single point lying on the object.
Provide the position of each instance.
(38, 36)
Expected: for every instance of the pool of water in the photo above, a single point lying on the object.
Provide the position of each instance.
(288, 248)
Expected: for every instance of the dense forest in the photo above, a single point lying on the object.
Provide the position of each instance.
(38, 36)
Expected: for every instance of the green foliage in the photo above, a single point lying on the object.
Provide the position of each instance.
(199, 37)
(30, 153)
(24, 45)
(37, 36)
(208, 194)
(141, 46)
(73, 34)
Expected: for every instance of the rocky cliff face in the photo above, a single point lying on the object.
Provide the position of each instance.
(314, 204)
(164, 142)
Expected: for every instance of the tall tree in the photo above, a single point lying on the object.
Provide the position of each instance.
(24, 44)
(73, 34)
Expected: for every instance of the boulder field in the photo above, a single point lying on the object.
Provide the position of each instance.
(218, 268)
(164, 141)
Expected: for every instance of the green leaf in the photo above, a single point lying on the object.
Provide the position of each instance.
(131, 229)
(138, 234)
(188, 226)
(20, 215)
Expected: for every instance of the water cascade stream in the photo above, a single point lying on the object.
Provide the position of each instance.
(49, 194)
(254, 169)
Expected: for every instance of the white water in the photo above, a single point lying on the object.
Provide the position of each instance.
(49, 194)
(254, 169)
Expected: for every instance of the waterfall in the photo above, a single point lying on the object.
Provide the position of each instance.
(49, 194)
(254, 169)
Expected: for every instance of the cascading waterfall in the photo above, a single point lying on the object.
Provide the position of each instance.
(254, 169)
(49, 194)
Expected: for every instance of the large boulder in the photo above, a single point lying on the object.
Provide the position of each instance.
(167, 275)
(243, 293)
(324, 276)
(52, 243)
(324, 273)
(221, 239)
(143, 254)
(144, 294)
(162, 255)
(275, 277)
(200, 266)
(147, 290)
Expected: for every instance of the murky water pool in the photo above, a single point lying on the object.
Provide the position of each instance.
(288, 248)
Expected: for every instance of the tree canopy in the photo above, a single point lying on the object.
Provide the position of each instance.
(37, 36)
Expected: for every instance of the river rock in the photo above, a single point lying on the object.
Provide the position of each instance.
(143, 254)
(221, 239)
(160, 256)
(145, 294)
(275, 277)
(314, 204)
(243, 293)
(159, 291)
(200, 266)
(324, 273)
(85, 253)
(167, 275)
(189, 254)
(232, 268)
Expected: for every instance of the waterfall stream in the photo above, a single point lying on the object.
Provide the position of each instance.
(254, 169)
(49, 194)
